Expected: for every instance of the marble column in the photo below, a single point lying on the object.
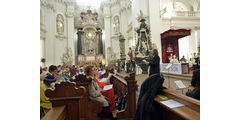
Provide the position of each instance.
(135, 12)
(70, 29)
(122, 48)
(79, 43)
(198, 38)
(154, 19)
(192, 42)
(50, 23)
(107, 29)
(100, 44)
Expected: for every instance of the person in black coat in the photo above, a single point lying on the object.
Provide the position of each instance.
(154, 63)
(195, 93)
(147, 108)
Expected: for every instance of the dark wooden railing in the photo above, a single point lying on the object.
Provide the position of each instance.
(190, 110)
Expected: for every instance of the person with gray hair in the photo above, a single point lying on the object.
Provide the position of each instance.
(154, 63)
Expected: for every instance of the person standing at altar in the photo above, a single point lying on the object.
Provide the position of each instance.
(154, 63)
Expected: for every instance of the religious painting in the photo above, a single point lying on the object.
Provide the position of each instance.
(169, 49)
(90, 35)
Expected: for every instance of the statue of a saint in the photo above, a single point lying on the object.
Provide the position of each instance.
(60, 24)
(143, 40)
(116, 26)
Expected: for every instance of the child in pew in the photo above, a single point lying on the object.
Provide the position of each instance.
(52, 70)
(106, 75)
(109, 93)
(44, 101)
(96, 92)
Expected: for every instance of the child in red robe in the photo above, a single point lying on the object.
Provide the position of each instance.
(108, 93)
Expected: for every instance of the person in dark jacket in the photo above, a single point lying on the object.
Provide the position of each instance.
(195, 84)
(147, 108)
(154, 63)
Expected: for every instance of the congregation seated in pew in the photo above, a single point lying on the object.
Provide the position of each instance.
(95, 88)
(96, 92)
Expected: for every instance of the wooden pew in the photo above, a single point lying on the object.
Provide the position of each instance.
(70, 102)
(93, 107)
(190, 110)
(125, 86)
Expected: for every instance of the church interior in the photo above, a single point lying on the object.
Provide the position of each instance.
(120, 59)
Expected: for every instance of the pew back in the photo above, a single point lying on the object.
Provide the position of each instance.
(73, 97)
(125, 86)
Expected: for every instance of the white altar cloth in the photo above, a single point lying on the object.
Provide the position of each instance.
(175, 68)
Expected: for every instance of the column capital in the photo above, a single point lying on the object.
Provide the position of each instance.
(107, 16)
(69, 14)
(196, 28)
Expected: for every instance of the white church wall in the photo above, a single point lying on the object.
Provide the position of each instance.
(184, 47)
(55, 45)
(60, 43)
(42, 51)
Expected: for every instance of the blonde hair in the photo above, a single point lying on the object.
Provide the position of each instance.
(43, 75)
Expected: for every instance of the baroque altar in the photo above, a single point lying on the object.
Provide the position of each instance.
(89, 42)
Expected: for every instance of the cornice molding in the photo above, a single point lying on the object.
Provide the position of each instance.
(107, 15)
(61, 37)
(66, 2)
(47, 5)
